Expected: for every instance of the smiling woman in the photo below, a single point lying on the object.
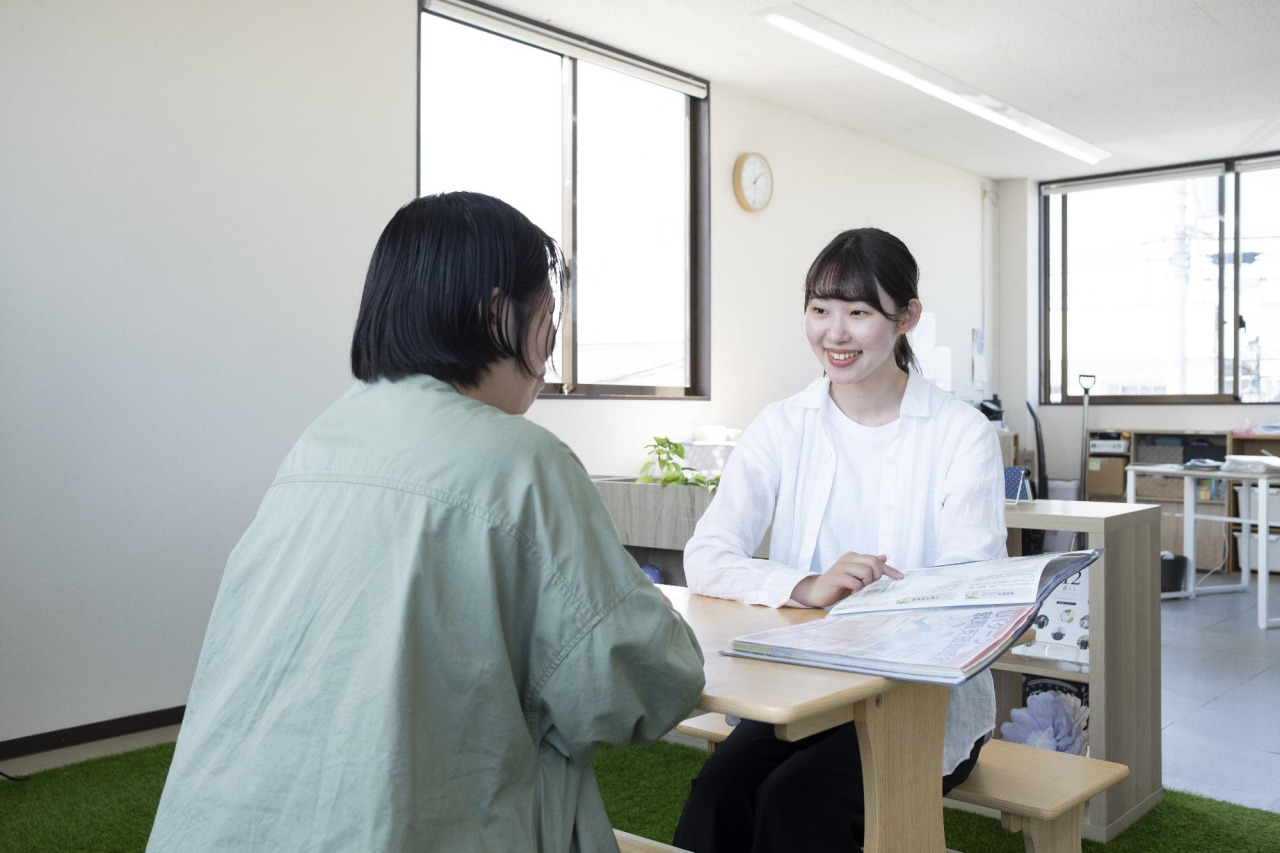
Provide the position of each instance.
(868, 469)
(861, 299)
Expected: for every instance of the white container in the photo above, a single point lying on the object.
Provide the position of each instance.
(1273, 503)
(707, 457)
(1273, 552)
(1061, 490)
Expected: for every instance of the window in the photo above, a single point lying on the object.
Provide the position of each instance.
(1165, 285)
(605, 152)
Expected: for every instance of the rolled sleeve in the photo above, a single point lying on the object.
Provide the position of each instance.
(971, 524)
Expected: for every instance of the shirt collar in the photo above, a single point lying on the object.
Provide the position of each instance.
(915, 400)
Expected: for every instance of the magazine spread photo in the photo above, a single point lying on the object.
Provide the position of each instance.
(1010, 580)
(942, 624)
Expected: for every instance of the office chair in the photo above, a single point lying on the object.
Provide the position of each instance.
(1033, 540)
(1042, 475)
(1017, 483)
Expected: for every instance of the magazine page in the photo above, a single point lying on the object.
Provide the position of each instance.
(1010, 580)
(945, 646)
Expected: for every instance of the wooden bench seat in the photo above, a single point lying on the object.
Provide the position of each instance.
(1037, 792)
(628, 843)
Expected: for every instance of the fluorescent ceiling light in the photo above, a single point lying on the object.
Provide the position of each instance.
(841, 40)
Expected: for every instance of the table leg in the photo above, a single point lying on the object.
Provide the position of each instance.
(1264, 568)
(1189, 534)
(1245, 517)
(900, 735)
(1246, 535)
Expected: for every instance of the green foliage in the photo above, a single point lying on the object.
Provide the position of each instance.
(667, 467)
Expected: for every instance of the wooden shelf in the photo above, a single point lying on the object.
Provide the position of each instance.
(1123, 672)
(1048, 667)
(1157, 447)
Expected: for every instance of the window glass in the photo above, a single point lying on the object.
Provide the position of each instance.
(495, 119)
(1142, 288)
(1260, 286)
(491, 119)
(632, 230)
(1055, 205)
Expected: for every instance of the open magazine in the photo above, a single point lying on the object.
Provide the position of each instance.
(942, 624)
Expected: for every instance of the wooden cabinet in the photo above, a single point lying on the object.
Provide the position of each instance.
(1165, 447)
(1123, 671)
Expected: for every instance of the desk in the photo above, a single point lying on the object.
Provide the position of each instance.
(1246, 520)
(900, 724)
(1124, 670)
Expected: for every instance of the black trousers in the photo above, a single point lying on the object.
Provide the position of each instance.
(759, 794)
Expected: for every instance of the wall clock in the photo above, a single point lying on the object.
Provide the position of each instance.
(752, 182)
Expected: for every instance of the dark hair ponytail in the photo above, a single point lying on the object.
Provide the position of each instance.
(852, 265)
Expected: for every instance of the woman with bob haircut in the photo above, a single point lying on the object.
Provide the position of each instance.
(430, 625)
(867, 468)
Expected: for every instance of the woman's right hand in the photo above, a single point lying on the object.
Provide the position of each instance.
(849, 574)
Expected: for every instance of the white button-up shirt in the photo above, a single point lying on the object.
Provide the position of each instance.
(941, 501)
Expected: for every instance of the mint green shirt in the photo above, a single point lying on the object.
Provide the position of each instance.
(420, 641)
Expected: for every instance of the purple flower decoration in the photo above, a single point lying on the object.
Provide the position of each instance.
(1046, 722)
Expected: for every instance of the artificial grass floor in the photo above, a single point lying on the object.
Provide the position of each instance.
(107, 805)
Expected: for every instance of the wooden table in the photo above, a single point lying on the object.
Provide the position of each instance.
(1123, 672)
(900, 724)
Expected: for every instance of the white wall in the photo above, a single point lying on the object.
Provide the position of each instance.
(189, 193)
(826, 180)
(1018, 323)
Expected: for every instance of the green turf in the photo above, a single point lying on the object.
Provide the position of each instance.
(107, 805)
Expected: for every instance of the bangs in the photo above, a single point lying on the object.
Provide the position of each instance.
(842, 275)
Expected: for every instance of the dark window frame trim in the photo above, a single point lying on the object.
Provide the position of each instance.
(1230, 169)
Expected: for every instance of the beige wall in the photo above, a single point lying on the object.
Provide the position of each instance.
(826, 180)
(1019, 304)
(189, 193)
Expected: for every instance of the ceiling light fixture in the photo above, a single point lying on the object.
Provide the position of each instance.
(825, 33)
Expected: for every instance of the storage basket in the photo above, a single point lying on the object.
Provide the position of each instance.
(1159, 454)
(1273, 551)
(1160, 488)
(1273, 503)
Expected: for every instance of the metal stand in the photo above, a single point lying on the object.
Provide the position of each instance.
(1086, 381)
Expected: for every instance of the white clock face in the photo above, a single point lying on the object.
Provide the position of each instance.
(756, 181)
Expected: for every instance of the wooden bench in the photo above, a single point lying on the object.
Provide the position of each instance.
(628, 843)
(1037, 792)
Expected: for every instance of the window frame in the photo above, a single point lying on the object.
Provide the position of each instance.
(571, 48)
(1227, 169)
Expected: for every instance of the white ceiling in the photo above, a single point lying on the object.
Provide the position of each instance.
(1155, 82)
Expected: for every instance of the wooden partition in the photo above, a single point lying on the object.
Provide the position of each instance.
(1123, 672)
